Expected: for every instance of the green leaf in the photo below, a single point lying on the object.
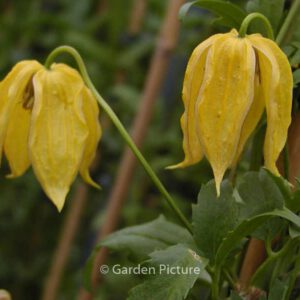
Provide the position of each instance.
(167, 285)
(284, 186)
(272, 9)
(144, 239)
(214, 217)
(141, 240)
(296, 77)
(247, 227)
(278, 290)
(230, 14)
(260, 193)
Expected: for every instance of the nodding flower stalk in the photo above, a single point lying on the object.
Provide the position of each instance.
(105, 106)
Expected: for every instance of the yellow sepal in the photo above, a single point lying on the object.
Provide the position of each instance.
(90, 110)
(58, 130)
(277, 85)
(13, 118)
(225, 99)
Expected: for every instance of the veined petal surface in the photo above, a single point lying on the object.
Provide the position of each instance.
(90, 110)
(16, 141)
(277, 84)
(193, 79)
(58, 130)
(225, 99)
(12, 92)
(253, 117)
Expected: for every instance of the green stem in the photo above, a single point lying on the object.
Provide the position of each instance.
(119, 126)
(293, 13)
(274, 256)
(215, 284)
(293, 277)
(246, 22)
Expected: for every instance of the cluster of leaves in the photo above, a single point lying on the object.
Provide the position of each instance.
(257, 207)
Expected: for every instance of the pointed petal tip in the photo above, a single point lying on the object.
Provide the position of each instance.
(95, 185)
(172, 167)
(218, 180)
(57, 197)
(59, 208)
(10, 176)
(59, 204)
(14, 174)
(180, 165)
(273, 169)
(87, 179)
(218, 190)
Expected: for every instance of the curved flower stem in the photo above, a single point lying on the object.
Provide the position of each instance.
(120, 127)
(293, 13)
(246, 22)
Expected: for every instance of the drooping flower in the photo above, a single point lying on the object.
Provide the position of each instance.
(229, 82)
(48, 119)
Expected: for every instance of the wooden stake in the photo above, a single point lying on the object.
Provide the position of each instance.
(256, 252)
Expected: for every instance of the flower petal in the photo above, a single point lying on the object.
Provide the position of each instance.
(252, 118)
(58, 130)
(225, 99)
(90, 110)
(16, 141)
(277, 84)
(191, 87)
(12, 90)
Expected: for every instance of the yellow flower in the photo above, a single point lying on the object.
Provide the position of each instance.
(229, 82)
(4, 295)
(48, 119)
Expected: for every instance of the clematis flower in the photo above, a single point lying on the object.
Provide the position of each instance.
(48, 119)
(229, 82)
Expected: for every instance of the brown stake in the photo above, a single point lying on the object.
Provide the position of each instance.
(137, 16)
(160, 61)
(67, 235)
(256, 252)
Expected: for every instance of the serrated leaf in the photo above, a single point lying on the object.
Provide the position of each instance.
(146, 238)
(167, 286)
(230, 14)
(272, 9)
(214, 217)
(141, 240)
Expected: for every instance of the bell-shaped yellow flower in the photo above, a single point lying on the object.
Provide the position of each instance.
(49, 119)
(229, 82)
